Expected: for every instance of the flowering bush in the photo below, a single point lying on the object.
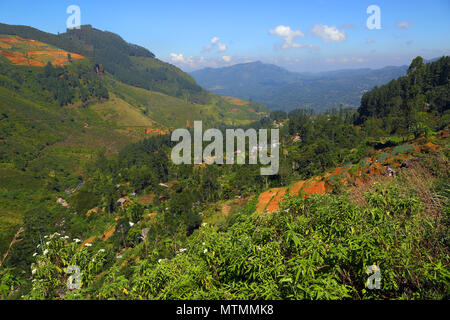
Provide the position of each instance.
(53, 257)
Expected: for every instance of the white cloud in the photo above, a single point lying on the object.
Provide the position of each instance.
(288, 35)
(328, 34)
(226, 58)
(404, 25)
(214, 40)
(181, 60)
(222, 47)
(177, 57)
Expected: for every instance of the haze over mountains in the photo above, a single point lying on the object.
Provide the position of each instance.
(281, 89)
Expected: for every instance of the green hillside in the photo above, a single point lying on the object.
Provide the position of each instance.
(84, 182)
(175, 113)
(55, 120)
(128, 63)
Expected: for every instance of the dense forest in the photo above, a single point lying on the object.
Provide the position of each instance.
(410, 103)
(314, 247)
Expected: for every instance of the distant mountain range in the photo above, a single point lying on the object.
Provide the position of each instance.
(281, 89)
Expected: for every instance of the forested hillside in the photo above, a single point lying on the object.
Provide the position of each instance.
(412, 102)
(56, 117)
(129, 63)
(140, 227)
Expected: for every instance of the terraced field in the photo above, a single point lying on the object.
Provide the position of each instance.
(350, 175)
(27, 52)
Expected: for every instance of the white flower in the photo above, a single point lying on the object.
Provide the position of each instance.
(77, 240)
(101, 250)
(205, 251)
(45, 237)
(45, 252)
(47, 243)
(204, 224)
(33, 271)
(159, 261)
(183, 250)
(88, 245)
(131, 224)
(35, 254)
(38, 245)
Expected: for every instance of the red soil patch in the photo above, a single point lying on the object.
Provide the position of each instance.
(234, 110)
(269, 200)
(108, 234)
(5, 45)
(156, 131)
(12, 39)
(105, 236)
(236, 101)
(89, 240)
(274, 204)
(18, 58)
(57, 53)
(432, 146)
(315, 187)
(264, 199)
(251, 110)
(336, 172)
(295, 189)
(33, 53)
(226, 208)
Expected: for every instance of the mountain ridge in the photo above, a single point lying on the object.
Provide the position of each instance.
(282, 89)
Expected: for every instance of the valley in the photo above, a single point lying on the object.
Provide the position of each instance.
(87, 178)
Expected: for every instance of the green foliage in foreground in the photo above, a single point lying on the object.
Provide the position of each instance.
(313, 248)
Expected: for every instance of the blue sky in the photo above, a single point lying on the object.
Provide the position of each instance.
(298, 35)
